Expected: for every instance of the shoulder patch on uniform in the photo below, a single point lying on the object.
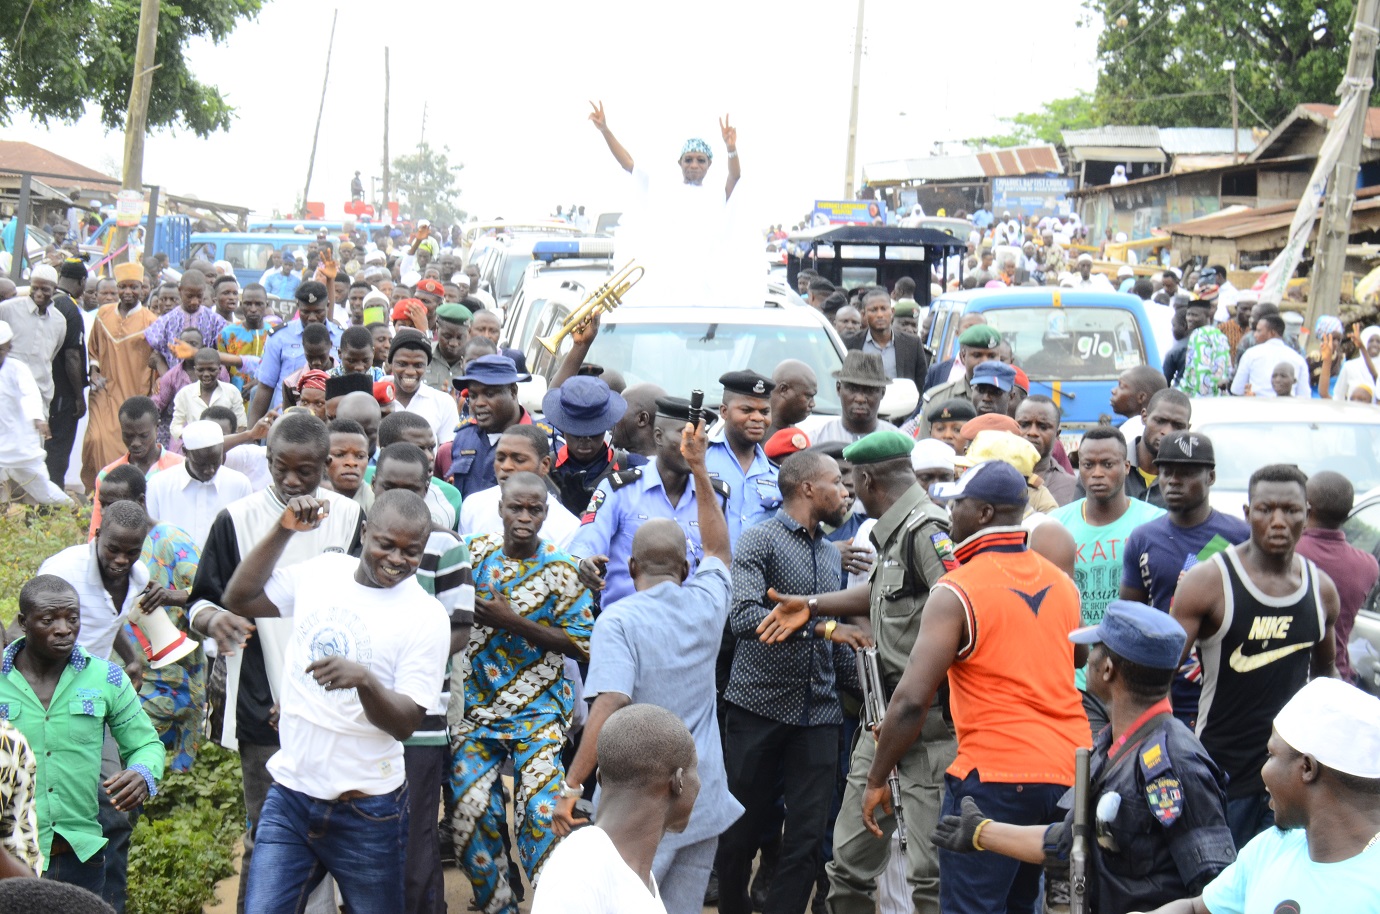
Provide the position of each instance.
(592, 508)
(622, 478)
(944, 548)
(718, 485)
(1166, 798)
(1153, 756)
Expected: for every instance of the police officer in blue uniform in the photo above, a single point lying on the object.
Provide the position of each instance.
(735, 451)
(628, 499)
(584, 410)
(1157, 803)
(492, 380)
(283, 351)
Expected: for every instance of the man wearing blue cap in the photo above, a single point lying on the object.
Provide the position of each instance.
(1158, 800)
(977, 344)
(584, 410)
(991, 388)
(996, 628)
(492, 380)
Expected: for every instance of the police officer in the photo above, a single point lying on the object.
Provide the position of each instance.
(1157, 800)
(492, 381)
(911, 537)
(627, 499)
(978, 344)
(585, 411)
(736, 455)
(283, 353)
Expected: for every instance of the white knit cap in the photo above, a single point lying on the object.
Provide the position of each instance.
(44, 271)
(1337, 724)
(202, 433)
(931, 454)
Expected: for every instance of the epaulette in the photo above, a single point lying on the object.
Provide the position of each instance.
(624, 477)
(723, 488)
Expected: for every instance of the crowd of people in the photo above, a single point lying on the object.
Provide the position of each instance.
(596, 652)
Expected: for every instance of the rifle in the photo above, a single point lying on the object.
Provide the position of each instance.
(1078, 855)
(874, 711)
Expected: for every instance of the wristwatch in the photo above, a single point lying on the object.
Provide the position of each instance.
(571, 791)
(813, 604)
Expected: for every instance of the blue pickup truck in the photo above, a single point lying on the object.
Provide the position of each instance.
(1072, 344)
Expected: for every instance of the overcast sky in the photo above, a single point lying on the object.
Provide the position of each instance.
(506, 87)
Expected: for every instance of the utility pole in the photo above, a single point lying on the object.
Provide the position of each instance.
(1230, 67)
(386, 188)
(1335, 228)
(325, 81)
(853, 108)
(136, 118)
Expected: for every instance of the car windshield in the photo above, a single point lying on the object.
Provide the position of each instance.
(1350, 449)
(512, 272)
(1071, 344)
(682, 357)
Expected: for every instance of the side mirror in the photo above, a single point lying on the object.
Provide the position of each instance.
(899, 401)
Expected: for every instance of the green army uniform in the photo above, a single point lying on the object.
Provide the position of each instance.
(913, 552)
(936, 395)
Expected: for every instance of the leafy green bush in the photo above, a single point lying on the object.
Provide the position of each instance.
(28, 536)
(185, 841)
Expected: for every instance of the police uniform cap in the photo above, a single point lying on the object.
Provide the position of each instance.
(980, 336)
(748, 383)
(1138, 633)
(673, 408)
(881, 445)
(457, 314)
(954, 409)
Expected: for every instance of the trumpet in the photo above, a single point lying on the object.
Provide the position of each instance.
(602, 300)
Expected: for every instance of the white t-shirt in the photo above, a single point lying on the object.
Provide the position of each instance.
(585, 874)
(401, 633)
(479, 514)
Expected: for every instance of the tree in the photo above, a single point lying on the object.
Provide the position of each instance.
(1160, 61)
(425, 182)
(1046, 125)
(62, 56)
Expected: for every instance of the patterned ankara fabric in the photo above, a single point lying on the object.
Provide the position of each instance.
(18, 805)
(1207, 364)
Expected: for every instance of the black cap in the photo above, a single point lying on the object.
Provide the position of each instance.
(407, 338)
(747, 383)
(955, 409)
(1186, 447)
(348, 384)
(72, 268)
(673, 408)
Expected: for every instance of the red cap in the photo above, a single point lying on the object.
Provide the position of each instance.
(1022, 379)
(383, 392)
(433, 286)
(998, 422)
(785, 443)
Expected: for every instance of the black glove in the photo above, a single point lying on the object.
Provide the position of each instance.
(955, 833)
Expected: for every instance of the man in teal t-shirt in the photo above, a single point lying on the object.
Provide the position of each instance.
(1100, 524)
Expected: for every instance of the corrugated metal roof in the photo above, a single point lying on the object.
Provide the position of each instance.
(1017, 160)
(1203, 140)
(1239, 222)
(1113, 136)
(1116, 154)
(1319, 115)
(16, 156)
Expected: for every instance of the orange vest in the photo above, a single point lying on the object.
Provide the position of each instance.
(1018, 714)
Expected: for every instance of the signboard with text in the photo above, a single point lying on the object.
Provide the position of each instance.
(848, 212)
(1032, 195)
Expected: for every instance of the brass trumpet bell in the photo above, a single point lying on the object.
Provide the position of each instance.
(602, 300)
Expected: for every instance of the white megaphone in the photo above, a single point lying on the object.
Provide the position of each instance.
(163, 642)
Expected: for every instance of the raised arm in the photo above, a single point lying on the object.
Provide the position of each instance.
(694, 443)
(601, 124)
(735, 168)
(244, 594)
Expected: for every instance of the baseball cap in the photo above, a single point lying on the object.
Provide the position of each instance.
(993, 482)
(1186, 447)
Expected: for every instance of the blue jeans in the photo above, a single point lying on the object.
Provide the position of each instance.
(299, 839)
(985, 882)
(69, 869)
(1248, 816)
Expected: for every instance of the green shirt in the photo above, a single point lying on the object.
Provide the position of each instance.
(66, 739)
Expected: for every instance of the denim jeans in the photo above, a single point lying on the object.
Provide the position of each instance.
(69, 869)
(299, 839)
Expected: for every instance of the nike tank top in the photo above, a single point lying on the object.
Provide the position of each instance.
(1252, 666)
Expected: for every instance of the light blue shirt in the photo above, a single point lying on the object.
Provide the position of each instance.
(660, 647)
(283, 355)
(752, 496)
(888, 354)
(620, 512)
(282, 285)
(1275, 867)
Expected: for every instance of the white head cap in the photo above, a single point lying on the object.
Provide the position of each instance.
(44, 271)
(224, 268)
(202, 433)
(931, 454)
(1085, 258)
(376, 257)
(1124, 271)
(375, 298)
(1337, 724)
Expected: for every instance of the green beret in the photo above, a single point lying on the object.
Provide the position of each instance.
(886, 444)
(980, 336)
(452, 312)
(905, 307)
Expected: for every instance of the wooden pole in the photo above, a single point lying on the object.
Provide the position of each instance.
(1334, 228)
(853, 108)
(316, 135)
(136, 117)
(387, 185)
